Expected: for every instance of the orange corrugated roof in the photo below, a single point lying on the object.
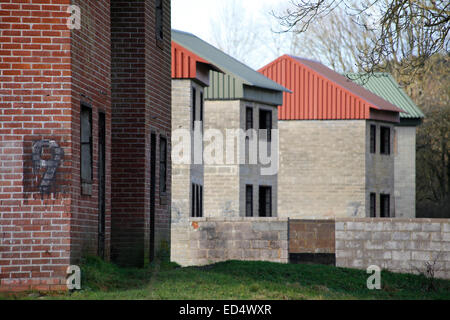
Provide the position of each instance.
(319, 93)
(184, 63)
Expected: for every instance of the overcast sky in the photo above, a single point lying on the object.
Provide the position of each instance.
(195, 16)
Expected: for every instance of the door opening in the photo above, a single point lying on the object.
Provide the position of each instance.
(152, 194)
(101, 184)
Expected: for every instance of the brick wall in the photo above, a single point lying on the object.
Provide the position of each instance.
(200, 241)
(35, 104)
(141, 101)
(46, 71)
(91, 85)
(311, 236)
(399, 245)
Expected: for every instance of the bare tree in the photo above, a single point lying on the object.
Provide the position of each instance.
(406, 32)
(336, 40)
(235, 31)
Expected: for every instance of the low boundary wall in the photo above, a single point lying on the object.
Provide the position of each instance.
(399, 245)
(201, 241)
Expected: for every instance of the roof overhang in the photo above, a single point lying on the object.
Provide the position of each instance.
(188, 65)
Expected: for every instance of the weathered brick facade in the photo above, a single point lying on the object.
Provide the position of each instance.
(141, 100)
(47, 71)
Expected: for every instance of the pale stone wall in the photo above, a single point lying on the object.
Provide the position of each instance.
(322, 169)
(399, 245)
(183, 175)
(224, 194)
(405, 172)
(379, 170)
(201, 241)
(221, 192)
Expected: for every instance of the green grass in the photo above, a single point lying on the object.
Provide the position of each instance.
(242, 280)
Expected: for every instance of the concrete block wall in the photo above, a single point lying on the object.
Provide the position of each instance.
(184, 174)
(399, 245)
(201, 241)
(405, 172)
(224, 194)
(380, 170)
(221, 181)
(322, 169)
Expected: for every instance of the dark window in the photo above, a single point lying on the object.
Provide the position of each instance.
(197, 200)
(384, 206)
(249, 201)
(193, 194)
(201, 108)
(265, 122)
(159, 30)
(385, 140)
(248, 118)
(265, 201)
(201, 202)
(373, 138)
(162, 165)
(101, 164)
(373, 205)
(86, 150)
(194, 107)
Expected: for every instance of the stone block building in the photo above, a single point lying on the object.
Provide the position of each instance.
(237, 98)
(84, 113)
(336, 144)
(385, 86)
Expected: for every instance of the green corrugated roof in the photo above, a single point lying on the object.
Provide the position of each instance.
(232, 84)
(385, 86)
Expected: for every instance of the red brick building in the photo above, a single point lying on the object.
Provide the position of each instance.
(84, 136)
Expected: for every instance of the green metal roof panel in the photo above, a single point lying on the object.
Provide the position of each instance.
(224, 86)
(228, 64)
(385, 86)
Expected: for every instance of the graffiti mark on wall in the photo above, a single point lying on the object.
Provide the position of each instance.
(44, 170)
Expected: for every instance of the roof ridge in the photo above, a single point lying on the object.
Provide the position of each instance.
(252, 73)
(369, 99)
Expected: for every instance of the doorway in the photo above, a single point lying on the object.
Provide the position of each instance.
(152, 194)
(101, 184)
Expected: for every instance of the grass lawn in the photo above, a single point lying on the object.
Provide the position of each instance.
(241, 280)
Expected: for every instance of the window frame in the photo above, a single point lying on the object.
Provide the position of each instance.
(201, 108)
(265, 190)
(194, 107)
(263, 123)
(159, 20)
(196, 200)
(373, 138)
(385, 146)
(86, 183)
(249, 121)
(249, 202)
(383, 198)
(373, 205)
(163, 165)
